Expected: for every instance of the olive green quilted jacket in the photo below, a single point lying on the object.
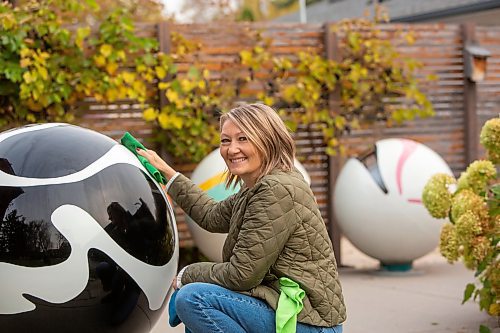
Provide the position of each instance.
(274, 229)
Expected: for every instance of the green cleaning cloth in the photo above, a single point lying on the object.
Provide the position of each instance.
(289, 305)
(132, 144)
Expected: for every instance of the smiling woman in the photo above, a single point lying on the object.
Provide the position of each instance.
(277, 240)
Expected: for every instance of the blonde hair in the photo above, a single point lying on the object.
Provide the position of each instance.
(265, 129)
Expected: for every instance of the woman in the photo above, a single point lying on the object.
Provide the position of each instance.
(274, 230)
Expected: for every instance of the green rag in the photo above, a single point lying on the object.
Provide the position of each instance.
(132, 144)
(289, 305)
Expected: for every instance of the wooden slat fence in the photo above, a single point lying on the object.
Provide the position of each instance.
(438, 46)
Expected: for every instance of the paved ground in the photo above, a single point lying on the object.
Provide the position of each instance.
(424, 300)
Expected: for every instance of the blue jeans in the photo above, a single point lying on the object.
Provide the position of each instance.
(205, 307)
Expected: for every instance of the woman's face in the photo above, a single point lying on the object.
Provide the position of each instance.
(240, 155)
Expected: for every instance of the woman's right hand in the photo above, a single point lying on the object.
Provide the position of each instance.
(157, 162)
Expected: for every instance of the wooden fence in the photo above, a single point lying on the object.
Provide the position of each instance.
(461, 107)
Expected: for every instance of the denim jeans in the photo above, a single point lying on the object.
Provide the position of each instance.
(205, 307)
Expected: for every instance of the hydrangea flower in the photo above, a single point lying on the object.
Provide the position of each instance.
(436, 195)
(477, 176)
(466, 200)
(481, 247)
(448, 243)
(473, 232)
(468, 227)
(490, 139)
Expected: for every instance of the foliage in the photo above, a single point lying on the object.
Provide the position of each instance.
(192, 102)
(473, 231)
(141, 11)
(45, 67)
(371, 83)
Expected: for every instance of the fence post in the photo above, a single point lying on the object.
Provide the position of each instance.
(165, 46)
(164, 41)
(471, 133)
(332, 52)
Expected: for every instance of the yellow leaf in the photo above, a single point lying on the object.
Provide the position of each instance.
(494, 309)
(138, 86)
(81, 34)
(111, 67)
(44, 56)
(289, 93)
(315, 95)
(181, 50)
(410, 38)
(99, 60)
(8, 21)
(176, 121)
(206, 74)
(163, 120)
(43, 73)
(25, 52)
(187, 85)
(160, 72)
(128, 77)
(268, 100)
(31, 118)
(34, 106)
(111, 95)
(339, 122)
(27, 77)
(25, 62)
(121, 54)
(123, 91)
(90, 85)
(246, 57)
(106, 50)
(141, 68)
(131, 93)
(432, 77)
(333, 142)
(258, 49)
(69, 118)
(172, 96)
(168, 121)
(201, 84)
(148, 77)
(149, 114)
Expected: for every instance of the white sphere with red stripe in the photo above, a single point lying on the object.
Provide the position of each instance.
(378, 204)
(209, 176)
